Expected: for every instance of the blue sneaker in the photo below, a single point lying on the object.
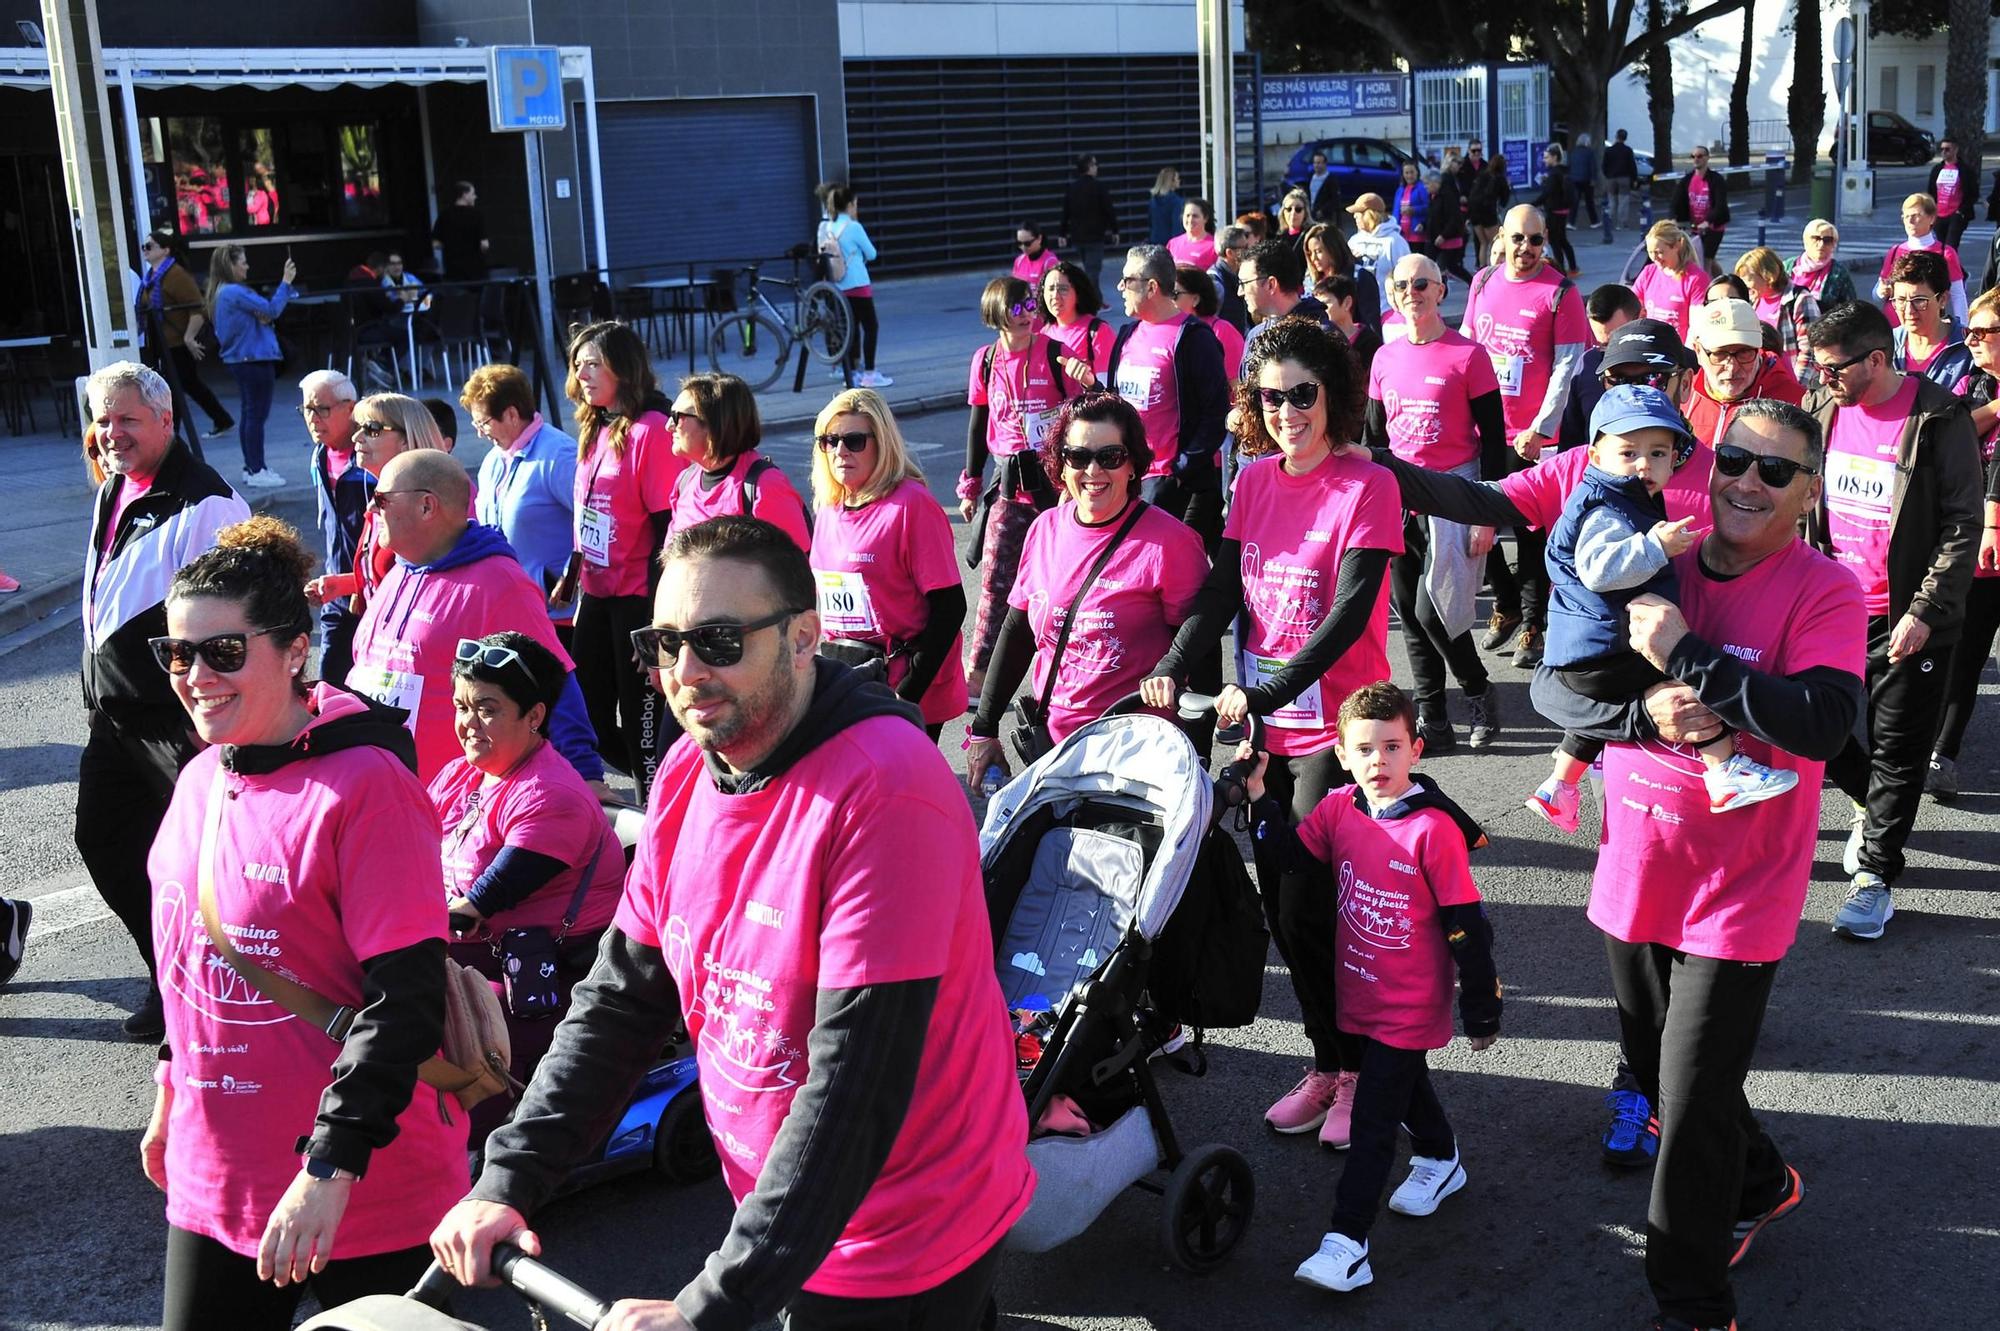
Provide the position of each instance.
(1867, 910)
(1633, 1138)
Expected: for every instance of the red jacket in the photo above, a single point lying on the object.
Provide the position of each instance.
(1708, 416)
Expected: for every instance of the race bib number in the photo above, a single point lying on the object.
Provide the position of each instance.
(593, 535)
(1859, 484)
(1037, 424)
(1508, 370)
(1304, 712)
(1140, 385)
(396, 688)
(844, 608)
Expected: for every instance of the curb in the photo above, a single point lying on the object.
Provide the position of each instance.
(26, 608)
(907, 406)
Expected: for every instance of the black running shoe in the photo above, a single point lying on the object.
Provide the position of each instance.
(15, 917)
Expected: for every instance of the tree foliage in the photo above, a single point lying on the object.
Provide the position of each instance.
(1805, 104)
(1921, 18)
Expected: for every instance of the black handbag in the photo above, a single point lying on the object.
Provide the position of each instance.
(1030, 735)
(529, 957)
(870, 660)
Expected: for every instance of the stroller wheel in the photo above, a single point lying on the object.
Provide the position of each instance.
(1207, 1206)
(683, 1151)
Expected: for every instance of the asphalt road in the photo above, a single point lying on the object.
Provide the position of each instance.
(1879, 1075)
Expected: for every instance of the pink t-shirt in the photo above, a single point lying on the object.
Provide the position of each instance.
(1232, 344)
(1427, 392)
(810, 884)
(1030, 270)
(1902, 247)
(1698, 203)
(544, 807)
(1521, 322)
(319, 865)
(1391, 875)
(1126, 623)
(1146, 379)
(778, 502)
(1540, 491)
(874, 566)
(616, 497)
(407, 640)
(132, 491)
(1191, 253)
(1728, 886)
(1861, 453)
(1076, 340)
(1669, 297)
(1949, 189)
(1021, 395)
(1293, 531)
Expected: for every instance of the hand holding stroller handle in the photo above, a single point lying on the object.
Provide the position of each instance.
(538, 1283)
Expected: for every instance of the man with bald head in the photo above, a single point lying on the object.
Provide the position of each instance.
(1434, 402)
(1530, 319)
(454, 580)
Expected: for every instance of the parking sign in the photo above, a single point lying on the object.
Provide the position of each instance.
(524, 88)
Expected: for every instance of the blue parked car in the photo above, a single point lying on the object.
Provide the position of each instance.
(1358, 166)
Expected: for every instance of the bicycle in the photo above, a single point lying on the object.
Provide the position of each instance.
(756, 342)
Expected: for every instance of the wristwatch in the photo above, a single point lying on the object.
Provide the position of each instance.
(326, 1169)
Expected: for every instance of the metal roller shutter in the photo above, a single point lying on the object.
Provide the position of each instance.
(666, 201)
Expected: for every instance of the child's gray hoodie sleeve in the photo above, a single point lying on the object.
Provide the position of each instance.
(1611, 557)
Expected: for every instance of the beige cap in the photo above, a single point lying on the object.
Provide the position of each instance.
(1369, 202)
(1726, 323)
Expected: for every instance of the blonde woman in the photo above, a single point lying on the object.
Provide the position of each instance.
(1783, 305)
(386, 426)
(1164, 207)
(1818, 271)
(1294, 214)
(1674, 283)
(883, 558)
(243, 323)
(1920, 213)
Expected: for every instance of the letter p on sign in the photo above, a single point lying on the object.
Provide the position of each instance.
(524, 88)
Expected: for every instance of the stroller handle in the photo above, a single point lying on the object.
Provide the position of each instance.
(530, 1279)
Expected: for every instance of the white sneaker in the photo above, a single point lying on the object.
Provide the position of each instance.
(265, 479)
(1340, 1265)
(1742, 781)
(873, 379)
(1850, 857)
(1430, 1182)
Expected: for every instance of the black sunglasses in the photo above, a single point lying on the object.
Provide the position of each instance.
(1775, 472)
(1110, 458)
(677, 418)
(1402, 284)
(853, 441)
(373, 428)
(1653, 378)
(471, 651)
(715, 644)
(225, 653)
(1537, 239)
(1301, 396)
(376, 497)
(1835, 371)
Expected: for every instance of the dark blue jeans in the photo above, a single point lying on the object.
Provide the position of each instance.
(255, 380)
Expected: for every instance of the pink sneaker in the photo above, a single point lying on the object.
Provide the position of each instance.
(8, 584)
(1304, 1107)
(1338, 1130)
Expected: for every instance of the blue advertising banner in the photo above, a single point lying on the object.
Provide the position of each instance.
(1329, 96)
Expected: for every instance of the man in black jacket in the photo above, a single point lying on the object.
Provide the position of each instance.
(1953, 188)
(157, 511)
(856, 1061)
(1089, 219)
(1701, 205)
(1620, 170)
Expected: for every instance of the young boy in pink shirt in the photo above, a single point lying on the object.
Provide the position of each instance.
(1408, 912)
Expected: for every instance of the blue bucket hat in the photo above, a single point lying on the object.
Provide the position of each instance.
(1641, 407)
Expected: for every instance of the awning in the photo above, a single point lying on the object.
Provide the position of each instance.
(316, 68)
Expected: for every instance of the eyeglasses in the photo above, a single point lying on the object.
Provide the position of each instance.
(1832, 372)
(1245, 283)
(1536, 241)
(1109, 458)
(1132, 281)
(315, 409)
(680, 418)
(1418, 284)
(224, 653)
(1021, 310)
(375, 500)
(1775, 472)
(471, 651)
(1301, 396)
(853, 441)
(1977, 333)
(1182, 293)
(1719, 356)
(1028, 244)
(374, 428)
(714, 644)
(1912, 302)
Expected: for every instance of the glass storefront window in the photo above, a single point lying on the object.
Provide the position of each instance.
(361, 201)
(259, 159)
(201, 175)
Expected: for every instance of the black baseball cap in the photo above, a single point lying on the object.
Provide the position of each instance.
(1647, 344)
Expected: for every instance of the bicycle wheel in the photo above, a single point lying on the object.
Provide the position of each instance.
(751, 345)
(1635, 263)
(827, 322)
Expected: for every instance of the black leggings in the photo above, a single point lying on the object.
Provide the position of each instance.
(209, 1286)
(1560, 252)
(1431, 649)
(1968, 662)
(631, 720)
(1299, 910)
(861, 349)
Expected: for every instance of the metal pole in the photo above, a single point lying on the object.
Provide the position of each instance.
(1860, 154)
(430, 163)
(531, 147)
(1216, 69)
(135, 151)
(596, 165)
(90, 175)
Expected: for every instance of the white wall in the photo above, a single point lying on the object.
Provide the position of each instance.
(907, 29)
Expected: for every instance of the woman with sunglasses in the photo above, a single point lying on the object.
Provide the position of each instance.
(717, 429)
(168, 294)
(303, 833)
(1016, 389)
(1127, 616)
(627, 465)
(884, 559)
(386, 426)
(1919, 285)
(1674, 283)
(1818, 271)
(1194, 293)
(244, 324)
(1982, 602)
(1069, 305)
(521, 829)
(1303, 566)
(1035, 258)
(1294, 217)
(1195, 246)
